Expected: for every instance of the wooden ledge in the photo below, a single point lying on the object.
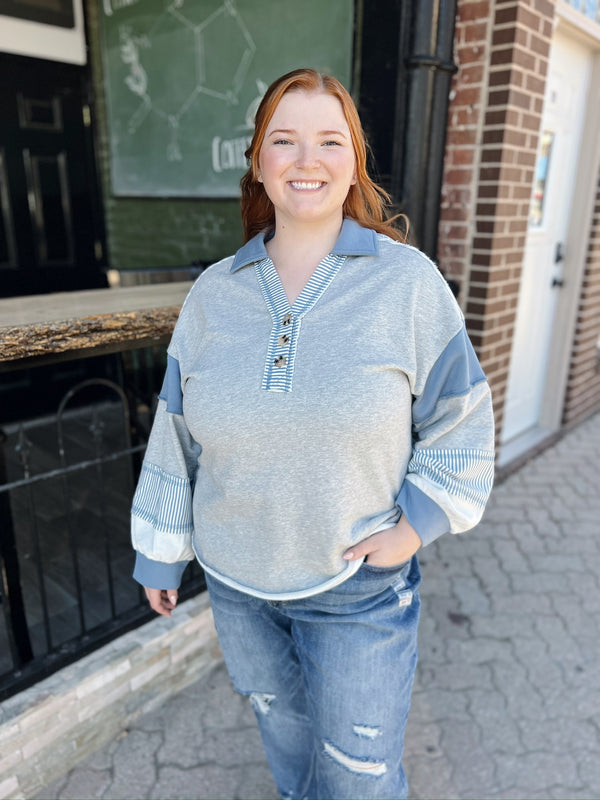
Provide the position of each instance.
(75, 323)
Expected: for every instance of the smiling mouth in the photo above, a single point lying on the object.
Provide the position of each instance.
(307, 186)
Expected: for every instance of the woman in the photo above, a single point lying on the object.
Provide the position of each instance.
(323, 417)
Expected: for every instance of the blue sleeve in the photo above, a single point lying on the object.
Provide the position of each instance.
(162, 514)
(451, 470)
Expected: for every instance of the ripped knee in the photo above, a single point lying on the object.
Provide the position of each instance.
(360, 766)
(261, 702)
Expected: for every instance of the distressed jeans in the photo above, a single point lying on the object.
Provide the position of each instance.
(330, 678)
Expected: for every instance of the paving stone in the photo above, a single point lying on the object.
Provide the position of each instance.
(473, 766)
(134, 766)
(231, 747)
(457, 676)
(206, 782)
(537, 771)
(480, 651)
(583, 738)
(434, 705)
(472, 599)
(85, 783)
(430, 777)
(256, 782)
(499, 733)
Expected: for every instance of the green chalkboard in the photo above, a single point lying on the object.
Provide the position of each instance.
(183, 80)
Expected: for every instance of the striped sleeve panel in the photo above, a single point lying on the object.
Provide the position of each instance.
(163, 500)
(465, 474)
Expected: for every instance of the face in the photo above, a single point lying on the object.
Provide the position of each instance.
(307, 161)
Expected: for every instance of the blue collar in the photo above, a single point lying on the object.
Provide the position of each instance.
(354, 240)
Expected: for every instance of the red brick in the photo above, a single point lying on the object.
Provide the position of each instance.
(545, 8)
(504, 36)
(469, 54)
(500, 77)
(473, 11)
(506, 14)
(521, 99)
(528, 18)
(472, 73)
(499, 97)
(523, 59)
(531, 121)
(502, 56)
(463, 136)
(535, 84)
(539, 45)
(459, 176)
(463, 156)
(467, 96)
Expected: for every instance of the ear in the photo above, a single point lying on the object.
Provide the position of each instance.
(353, 181)
(259, 176)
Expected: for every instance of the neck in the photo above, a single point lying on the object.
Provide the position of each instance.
(304, 238)
(296, 251)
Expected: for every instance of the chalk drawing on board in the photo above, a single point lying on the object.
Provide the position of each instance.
(221, 79)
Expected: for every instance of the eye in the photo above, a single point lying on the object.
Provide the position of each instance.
(281, 141)
(332, 143)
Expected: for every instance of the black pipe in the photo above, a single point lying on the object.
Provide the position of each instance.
(424, 78)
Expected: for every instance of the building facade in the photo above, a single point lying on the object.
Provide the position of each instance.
(519, 226)
(518, 206)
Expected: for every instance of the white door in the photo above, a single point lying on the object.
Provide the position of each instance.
(542, 276)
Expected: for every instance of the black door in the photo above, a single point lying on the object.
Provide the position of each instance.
(51, 232)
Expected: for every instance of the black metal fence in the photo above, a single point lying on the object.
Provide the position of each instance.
(66, 483)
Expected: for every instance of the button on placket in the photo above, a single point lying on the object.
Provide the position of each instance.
(283, 341)
(286, 324)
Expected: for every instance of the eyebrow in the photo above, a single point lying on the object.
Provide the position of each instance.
(280, 131)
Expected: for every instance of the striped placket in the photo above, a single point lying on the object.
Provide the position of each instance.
(287, 320)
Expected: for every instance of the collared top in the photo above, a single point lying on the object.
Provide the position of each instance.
(287, 433)
(354, 240)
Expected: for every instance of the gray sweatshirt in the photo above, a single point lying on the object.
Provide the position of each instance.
(286, 434)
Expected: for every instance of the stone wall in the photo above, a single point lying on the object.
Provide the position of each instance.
(47, 729)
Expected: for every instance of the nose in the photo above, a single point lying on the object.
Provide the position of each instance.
(307, 157)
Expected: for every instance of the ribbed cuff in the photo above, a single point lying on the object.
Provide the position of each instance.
(156, 574)
(425, 516)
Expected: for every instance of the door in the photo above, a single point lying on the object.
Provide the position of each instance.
(544, 263)
(50, 223)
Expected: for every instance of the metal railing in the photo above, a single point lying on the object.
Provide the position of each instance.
(66, 484)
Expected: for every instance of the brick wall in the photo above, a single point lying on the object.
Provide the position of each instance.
(465, 119)
(583, 385)
(494, 120)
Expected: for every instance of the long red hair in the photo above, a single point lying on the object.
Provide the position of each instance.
(366, 202)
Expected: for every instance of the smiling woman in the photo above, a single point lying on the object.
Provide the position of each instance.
(307, 163)
(307, 166)
(323, 417)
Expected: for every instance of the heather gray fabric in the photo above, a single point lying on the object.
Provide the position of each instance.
(267, 480)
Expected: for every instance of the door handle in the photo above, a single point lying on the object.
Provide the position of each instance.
(559, 253)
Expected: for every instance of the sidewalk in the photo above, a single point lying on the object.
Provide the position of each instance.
(507, 697)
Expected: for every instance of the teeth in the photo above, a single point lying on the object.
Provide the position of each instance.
(306, 184)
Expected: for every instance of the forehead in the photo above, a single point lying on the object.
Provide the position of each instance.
(307, 106)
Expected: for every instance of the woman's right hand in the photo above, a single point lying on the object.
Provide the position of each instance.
(163, 601)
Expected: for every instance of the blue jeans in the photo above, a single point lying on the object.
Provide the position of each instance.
(330, 678)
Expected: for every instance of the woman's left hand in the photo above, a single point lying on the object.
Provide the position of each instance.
(389, 547)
